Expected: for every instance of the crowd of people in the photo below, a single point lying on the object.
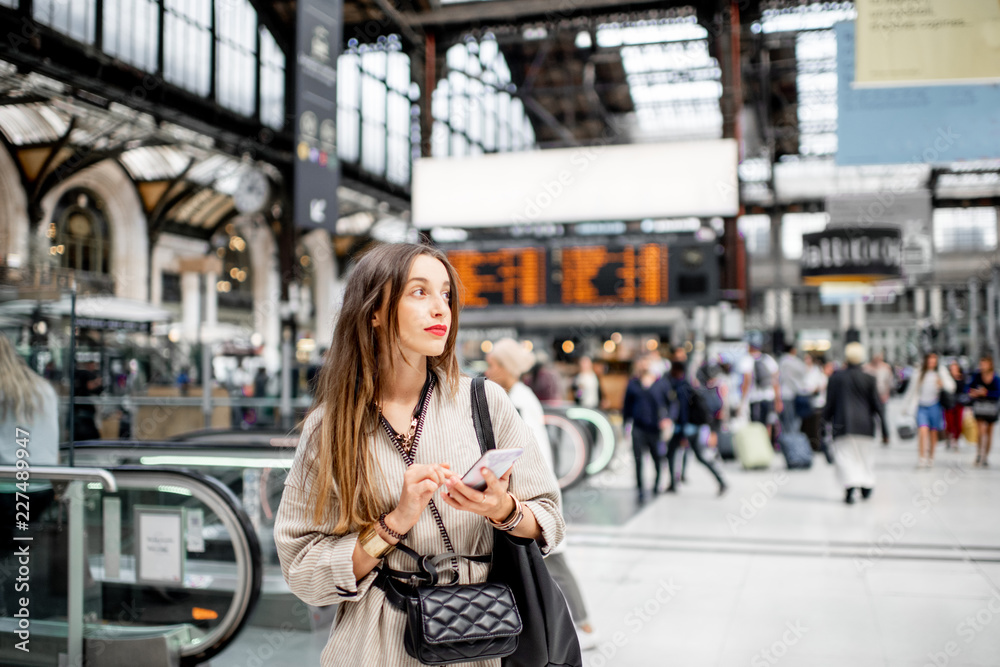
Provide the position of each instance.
(673, 407)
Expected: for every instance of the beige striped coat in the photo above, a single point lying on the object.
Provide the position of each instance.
(317, 564)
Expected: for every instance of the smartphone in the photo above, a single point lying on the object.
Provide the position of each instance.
(498, 461)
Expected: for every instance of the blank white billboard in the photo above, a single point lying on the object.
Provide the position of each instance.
(630, 182)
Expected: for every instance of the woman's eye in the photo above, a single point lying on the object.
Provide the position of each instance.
(419, 291)
(446, 296)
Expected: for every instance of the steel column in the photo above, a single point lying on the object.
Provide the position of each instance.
(973, 318)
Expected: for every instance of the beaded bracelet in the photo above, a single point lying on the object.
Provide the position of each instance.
(389, 531)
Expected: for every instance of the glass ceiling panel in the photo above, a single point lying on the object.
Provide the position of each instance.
(154, 163)
(27, 124)
(213, 170)
(674, 82)
(818, 16)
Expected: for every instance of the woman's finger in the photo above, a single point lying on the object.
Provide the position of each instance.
(427, 487)
(491, 479)
(456, 487)
(458, 501)
(493, 483)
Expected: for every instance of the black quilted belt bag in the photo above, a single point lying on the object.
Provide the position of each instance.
(447, 624)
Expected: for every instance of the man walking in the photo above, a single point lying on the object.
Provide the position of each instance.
(852, 403)
(643, 415)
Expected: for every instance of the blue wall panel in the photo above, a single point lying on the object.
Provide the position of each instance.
(932, 124)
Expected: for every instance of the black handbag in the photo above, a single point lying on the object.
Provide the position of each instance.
(451, 624)
(985, 408)
(549, 637)
(946, 399)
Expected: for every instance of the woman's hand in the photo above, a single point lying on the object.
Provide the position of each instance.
(494, 503)
(419, 484)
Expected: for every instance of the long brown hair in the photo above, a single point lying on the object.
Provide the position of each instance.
(927, 363)
(20, 387)
(350, 381)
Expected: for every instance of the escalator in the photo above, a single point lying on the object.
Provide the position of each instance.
(128, 565)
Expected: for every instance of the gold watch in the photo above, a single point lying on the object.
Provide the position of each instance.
(373, 544)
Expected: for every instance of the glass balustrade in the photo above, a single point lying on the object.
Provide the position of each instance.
(126, 566)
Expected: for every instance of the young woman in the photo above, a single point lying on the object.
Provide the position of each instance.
(984, 390)
(381, 454)
(953, 414)
(507, 362)
(924, 401)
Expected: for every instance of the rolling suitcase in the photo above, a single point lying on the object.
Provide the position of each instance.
(752, 445)
(725, 444)
(797, 450)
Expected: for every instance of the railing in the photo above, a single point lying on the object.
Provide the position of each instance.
(57, 278)
(120, 603)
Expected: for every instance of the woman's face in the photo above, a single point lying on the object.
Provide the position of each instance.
(985, 366)
(956, 370)
(932, 362)
(499, 374)
(424, 314)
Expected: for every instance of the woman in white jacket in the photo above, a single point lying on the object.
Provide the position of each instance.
(923, 401)
(507, 362)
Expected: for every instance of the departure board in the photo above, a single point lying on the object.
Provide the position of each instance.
(504, 277)
(599, 275)
(627, 273)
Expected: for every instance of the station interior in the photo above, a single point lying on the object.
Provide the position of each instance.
(628, 189)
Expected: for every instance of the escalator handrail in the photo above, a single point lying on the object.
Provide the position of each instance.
(169, 444)
(65, 474)
(249, 565)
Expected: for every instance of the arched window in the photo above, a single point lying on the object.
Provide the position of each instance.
(80, 234)
(473, 108)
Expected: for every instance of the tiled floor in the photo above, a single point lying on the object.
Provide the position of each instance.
(780, 571)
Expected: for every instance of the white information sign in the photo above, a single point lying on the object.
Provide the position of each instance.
(583, 184)
(159, 545)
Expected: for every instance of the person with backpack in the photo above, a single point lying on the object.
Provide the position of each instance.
(761, 389)
(694, 411)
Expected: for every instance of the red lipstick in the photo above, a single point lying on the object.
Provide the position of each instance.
(437, 329)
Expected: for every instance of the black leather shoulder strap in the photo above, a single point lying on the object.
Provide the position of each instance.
(481, 415)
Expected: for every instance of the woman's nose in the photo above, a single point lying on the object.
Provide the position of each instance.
(439, 306)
